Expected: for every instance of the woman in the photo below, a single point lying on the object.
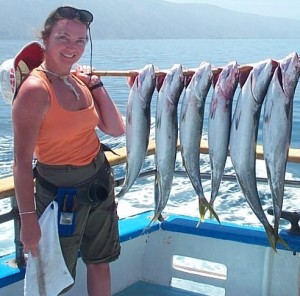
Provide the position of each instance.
(54, 118)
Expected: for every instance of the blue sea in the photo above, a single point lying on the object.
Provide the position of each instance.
(135, 54)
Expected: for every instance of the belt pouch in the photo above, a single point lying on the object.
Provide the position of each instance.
(67, 205)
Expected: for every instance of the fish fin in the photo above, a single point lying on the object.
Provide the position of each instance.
(212, 212)
(237, 120)
(284, 243)
(202, 210)
(212, 108)
(158, 122)
(204, 206)
(106, 148)
(268, 112)
(157, 217)
(120, 195)
(147, 229)
(129, 115)
(122, 192)
(161, 218)
(198, 224)
(274, 238)
(271, 238)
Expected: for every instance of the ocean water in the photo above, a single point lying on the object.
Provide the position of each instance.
(230, 205)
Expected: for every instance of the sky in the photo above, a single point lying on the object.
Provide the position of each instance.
(277, 8)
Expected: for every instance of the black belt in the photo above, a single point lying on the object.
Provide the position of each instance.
(90, 191)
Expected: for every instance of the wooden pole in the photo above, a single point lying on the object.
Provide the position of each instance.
(132, 73)
(162, 72)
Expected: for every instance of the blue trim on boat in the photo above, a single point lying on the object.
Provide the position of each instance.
(133, 226)
(228, 231)
(9, 274)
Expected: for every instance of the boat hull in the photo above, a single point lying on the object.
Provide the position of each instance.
(242, 263)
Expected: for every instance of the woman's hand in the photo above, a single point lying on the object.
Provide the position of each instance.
(84, 73)
(110, 119)
(30, 234)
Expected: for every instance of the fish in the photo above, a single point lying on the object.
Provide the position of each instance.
(166, 135)
(138, 121)
(277, 128)
(190, 129)
(219, 122)
(243, 137)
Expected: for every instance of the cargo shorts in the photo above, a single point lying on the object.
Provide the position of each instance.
(96, 233)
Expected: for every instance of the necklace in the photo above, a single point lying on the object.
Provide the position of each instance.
(64, 78)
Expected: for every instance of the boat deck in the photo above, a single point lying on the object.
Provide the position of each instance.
(147, 289)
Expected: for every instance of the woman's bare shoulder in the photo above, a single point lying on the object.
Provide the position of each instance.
(32, 94)
(33, 84)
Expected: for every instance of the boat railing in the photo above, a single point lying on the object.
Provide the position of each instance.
(117, 158)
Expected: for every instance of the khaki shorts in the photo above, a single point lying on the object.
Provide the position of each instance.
(96, 233)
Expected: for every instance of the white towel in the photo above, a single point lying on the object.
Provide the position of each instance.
(47, 275)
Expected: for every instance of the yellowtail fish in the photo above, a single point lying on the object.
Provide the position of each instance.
(166, 134)
(138, 124)
(243, 138)
(190, 130)
(219, 122)
(277, 129)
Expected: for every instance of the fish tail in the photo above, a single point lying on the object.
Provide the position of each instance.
(160, 218)
(145, 230)
(272, 238)
(122, 192)
(212, 212)
(198, 224)
(284, 243)
(277, 237)
(204, 206)
(157, 217)
(202, 211)
(276, 227)
(211, 204)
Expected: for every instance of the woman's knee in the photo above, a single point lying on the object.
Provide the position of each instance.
(98, 267)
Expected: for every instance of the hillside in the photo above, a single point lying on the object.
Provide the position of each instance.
(146, 19)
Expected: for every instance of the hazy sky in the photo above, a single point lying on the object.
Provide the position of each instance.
(278, 8)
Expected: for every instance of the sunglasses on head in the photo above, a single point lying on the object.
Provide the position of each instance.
(69, 12)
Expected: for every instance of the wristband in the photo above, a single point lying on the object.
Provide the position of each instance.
(99, 84)
(26, 213)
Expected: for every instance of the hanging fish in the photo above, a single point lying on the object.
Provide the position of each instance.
(243, 137)
(219, 122)
(190, 131)
(138, 122)
(277, 128)
(166, 134)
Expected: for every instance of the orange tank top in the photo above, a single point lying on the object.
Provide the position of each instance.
(67, 137)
